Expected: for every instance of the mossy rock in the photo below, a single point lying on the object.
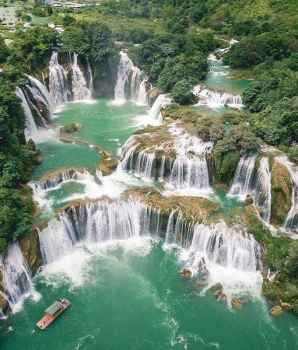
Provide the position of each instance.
(281, 190)
(69, 128)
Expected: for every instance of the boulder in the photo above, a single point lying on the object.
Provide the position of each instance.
(223, 297)
(185, 272)
(285, 305)
(69, 128)
(216, 287)
(238, 303)
(200, 283)
(276, 310)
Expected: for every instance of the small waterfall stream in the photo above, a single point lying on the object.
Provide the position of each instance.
(90, 78)
(57, 81)
(31, 128)
(241, 186)
(80, 90)
(155, 110)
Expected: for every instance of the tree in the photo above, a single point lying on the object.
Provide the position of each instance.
(182, 92)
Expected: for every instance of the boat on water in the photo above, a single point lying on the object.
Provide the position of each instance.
(52, 312)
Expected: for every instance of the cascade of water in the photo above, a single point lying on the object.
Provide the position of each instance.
(241, 185)
(145, 164)
(232, 259)
(80, 90)
(16, 276)
(189, 173)
(40, 92)
(178, 233)
(129, 82)
(31, 128)
(291, 221)
(262, 197)
(97, 222)
(57, 81)
(160, 102)
(218, 244)
(188, 170)
(214, 99)
(90, 76)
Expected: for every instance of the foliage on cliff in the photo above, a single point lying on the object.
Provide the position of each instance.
(15, 162)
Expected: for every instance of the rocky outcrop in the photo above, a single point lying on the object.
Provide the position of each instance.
(107, 165)
(238, 303)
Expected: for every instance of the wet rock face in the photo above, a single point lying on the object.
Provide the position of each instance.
(29, 245)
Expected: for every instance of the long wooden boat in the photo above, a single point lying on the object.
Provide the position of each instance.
(52, 312)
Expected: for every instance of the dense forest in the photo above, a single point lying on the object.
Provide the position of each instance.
(170, 40)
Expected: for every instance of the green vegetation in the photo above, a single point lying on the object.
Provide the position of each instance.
(16, 161)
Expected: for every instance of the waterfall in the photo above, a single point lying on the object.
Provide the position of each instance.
(214, 99)
(80, 90)
(262, 197)
(17, 279)
(31, 128)
(129, 85)
(291, 221)
(90, 76)
(241, 186)
(188, 170)
(40, 92)
(160, 102)
(97, 222)
(232, 258)
(57, 81)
